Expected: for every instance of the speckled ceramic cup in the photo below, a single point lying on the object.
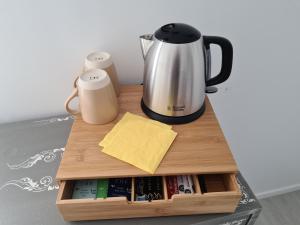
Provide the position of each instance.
(97, 99)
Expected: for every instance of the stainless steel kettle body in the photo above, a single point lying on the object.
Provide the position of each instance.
(176, 72)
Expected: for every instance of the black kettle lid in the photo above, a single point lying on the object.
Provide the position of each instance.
(177, 33)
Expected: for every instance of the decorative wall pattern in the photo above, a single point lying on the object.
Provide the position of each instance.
(27, 184)
(245, 198)
(234, 222)
(47, 156)
(52, 120)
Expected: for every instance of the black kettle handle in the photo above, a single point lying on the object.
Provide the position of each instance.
(227, 55)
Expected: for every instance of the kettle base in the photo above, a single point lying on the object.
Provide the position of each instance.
(172, 119)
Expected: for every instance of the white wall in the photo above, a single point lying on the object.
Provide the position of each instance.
(43, 44)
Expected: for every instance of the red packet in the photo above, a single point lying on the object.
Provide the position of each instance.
(172, 186)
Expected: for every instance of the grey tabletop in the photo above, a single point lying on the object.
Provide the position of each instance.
(30, 154)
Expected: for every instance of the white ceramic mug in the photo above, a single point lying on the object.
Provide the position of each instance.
(103, 61)
(97, 99)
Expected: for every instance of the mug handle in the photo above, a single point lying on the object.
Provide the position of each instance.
(69, 99)
(75, 82)
(76, 79)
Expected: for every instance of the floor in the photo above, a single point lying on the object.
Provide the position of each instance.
(280, 210)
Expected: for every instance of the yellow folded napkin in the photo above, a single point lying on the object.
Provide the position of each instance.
(139, 141)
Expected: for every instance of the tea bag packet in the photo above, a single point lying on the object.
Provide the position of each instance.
(148, 188)
(102, 188)
(172, 186)
(185, 184)
(85, 189)
(118, 187)
(182, 184)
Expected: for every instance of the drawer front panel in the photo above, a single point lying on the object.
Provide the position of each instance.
(217, 201)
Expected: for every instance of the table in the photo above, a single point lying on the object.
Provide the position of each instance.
(30, 155)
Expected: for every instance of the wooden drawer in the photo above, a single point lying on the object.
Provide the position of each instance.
(217, 193)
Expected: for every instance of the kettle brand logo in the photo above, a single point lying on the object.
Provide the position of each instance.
(176, 108)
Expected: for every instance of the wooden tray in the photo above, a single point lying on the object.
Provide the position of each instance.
(199, 148)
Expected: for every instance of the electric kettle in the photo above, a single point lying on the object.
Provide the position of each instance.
(177, 72)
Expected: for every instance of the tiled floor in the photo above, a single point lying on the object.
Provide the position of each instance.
(280, 210)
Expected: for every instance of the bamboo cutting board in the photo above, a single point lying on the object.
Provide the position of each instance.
(199, 148)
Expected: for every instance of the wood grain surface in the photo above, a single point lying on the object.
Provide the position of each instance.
(199, 148)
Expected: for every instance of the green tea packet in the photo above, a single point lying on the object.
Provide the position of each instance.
(102, 188)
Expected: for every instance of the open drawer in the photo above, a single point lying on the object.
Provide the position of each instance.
(212, 193)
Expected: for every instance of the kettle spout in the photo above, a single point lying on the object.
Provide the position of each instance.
(146, 42)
